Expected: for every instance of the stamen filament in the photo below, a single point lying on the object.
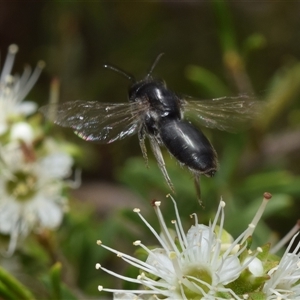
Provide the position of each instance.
(182, 233)
(160, 240)
(165, 230)
(286, 238)
(257, 217)
(32, 80)
(9, 61)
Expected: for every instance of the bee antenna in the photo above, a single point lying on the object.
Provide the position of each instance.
(115, 69)
(154, 64)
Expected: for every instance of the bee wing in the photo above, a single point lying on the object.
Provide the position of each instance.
(96, 121)
(227, 113)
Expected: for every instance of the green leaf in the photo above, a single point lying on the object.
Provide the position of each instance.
(13, 288)
(207, 81)
(225, 25)
(55, 276)
(57, 289)
(6, 293)
(285, 87)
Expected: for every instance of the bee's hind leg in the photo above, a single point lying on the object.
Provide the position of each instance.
(198, 188)
(160, 160)
(142, 136)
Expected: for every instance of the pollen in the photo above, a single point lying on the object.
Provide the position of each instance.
(141, 276)
(172, 255)
(13, 49)
(100, 288)
(41, 64)
(267, 196)
(251, 226)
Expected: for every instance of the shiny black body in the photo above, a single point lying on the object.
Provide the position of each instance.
(189, 145)
(162, 101)
(164, 121)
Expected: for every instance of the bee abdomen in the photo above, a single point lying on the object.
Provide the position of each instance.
(189, 145)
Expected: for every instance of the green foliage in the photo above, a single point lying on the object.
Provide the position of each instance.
(55, 286)
(84, 38)
(12, 289)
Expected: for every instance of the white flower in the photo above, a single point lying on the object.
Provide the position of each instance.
(198, 265)
(31, 189)
(284, 280)
(13, 90)
(21, 131)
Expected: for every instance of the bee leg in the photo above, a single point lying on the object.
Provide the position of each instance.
(142, 136)
(160, 160)
(198, 189)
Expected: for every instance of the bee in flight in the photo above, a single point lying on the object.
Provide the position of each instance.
(156, 112)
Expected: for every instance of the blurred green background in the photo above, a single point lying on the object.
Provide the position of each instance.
(212, 49)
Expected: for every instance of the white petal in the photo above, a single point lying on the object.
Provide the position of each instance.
(160, 260)
(12, 157)
(200, 242)
(26, 108)
(131, 296)
(126, 296)
(3, 127)
(197, 234)
(255, 267)
(22, 131)
(230, 270)
(57, 165)
(9, 214)
(49, 213)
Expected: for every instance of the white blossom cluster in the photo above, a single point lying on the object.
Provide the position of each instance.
(32, 166)
(207, 263)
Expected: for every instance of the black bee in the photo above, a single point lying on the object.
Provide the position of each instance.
(155, 112)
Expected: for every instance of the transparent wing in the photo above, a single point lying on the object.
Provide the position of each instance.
(96, 121)
(227, 113)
